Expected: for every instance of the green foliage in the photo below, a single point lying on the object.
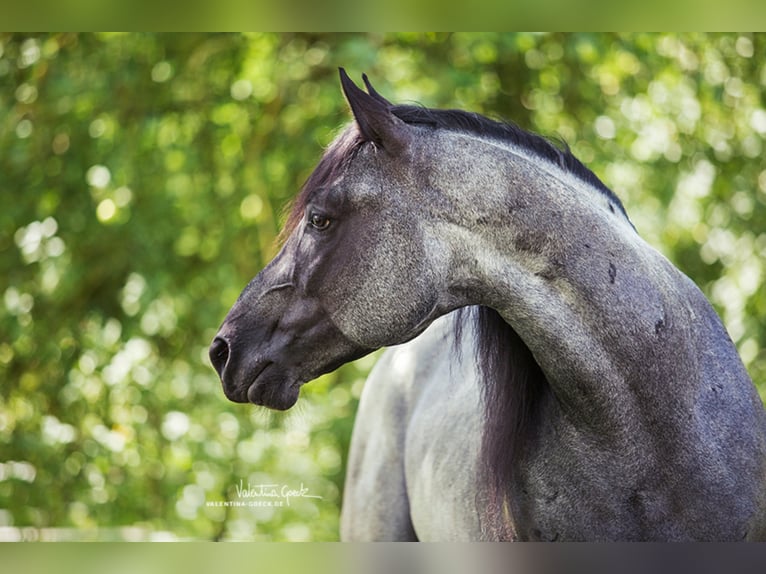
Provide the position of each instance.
(142, 183)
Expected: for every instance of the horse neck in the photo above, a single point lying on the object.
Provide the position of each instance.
(561, 263)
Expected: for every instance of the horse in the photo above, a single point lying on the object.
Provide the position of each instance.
(550, 375)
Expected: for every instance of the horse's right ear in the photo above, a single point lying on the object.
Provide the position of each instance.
(373, 116)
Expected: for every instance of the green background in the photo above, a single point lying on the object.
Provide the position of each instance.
(143, 180)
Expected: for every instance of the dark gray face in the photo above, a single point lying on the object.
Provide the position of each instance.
(353, 276)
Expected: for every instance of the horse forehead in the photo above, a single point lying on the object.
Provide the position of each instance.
(371, 180)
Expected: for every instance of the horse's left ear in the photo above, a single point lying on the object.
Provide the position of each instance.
(373, 116)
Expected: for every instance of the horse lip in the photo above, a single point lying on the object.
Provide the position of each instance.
(238, 391)
(260, 367)
(255, 379)
(272, 400)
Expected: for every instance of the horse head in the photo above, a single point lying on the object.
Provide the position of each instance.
(354, 273)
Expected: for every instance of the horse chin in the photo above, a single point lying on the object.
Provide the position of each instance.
(273, 393)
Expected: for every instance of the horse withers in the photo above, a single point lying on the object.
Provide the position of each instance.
(551, 376)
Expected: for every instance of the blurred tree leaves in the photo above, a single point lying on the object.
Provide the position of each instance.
(143, 180)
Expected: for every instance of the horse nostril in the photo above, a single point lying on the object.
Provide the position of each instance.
(219, 355)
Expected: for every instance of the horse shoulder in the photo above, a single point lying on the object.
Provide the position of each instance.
(442, 454)
(443, 436)
(410, 472)
(375, 501)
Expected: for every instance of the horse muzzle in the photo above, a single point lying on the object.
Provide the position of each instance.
(260, 382)
(273, 340)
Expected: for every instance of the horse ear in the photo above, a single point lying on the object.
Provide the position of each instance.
(373, 92)
(373, 116)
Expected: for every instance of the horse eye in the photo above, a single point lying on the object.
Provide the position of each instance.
(319, 222)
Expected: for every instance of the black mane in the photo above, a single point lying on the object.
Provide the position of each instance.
(473, 123)
(334, 162)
